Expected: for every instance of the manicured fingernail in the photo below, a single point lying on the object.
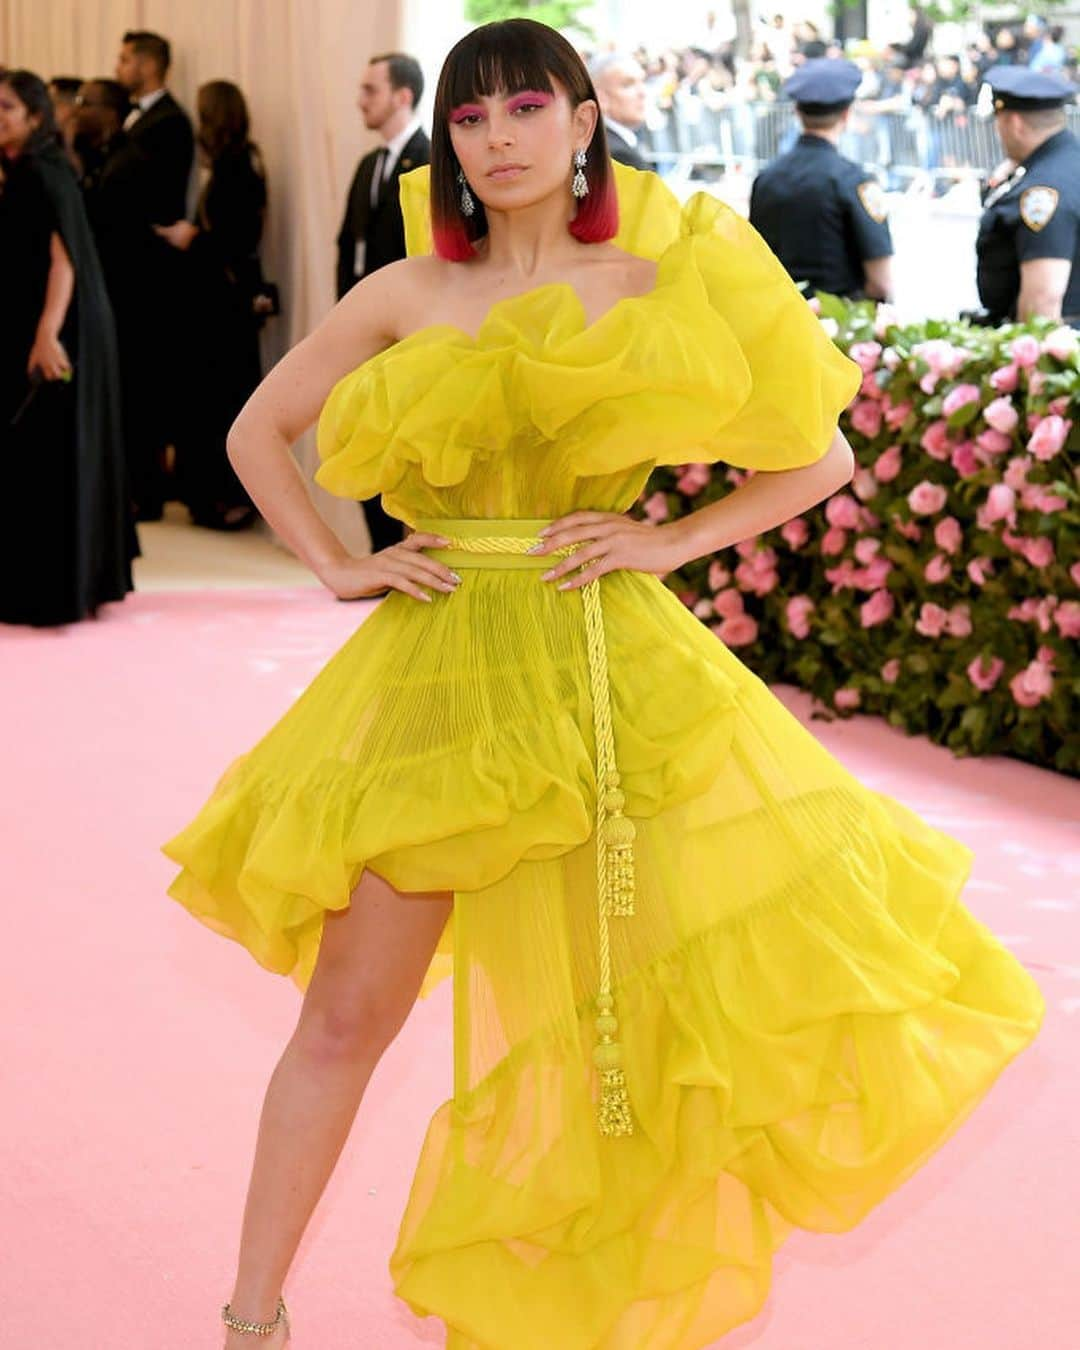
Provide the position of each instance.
(443, 543)
(456, 577)
(535, 548)
(563, 586)
(545, 531)
(547, 576)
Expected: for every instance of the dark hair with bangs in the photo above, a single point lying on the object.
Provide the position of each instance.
(510, 56)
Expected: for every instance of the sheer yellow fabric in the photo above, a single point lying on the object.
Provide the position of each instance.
(806, 1008)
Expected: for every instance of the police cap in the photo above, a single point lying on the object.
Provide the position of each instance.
(1021, 90)
(823, 85)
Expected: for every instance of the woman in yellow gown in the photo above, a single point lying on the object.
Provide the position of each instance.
(707, 987)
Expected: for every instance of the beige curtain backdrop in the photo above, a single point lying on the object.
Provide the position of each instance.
(298, 62)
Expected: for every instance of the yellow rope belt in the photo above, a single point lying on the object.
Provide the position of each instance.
(505, 544)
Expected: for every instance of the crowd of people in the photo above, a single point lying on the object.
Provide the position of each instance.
(105, 274)
(913, 103)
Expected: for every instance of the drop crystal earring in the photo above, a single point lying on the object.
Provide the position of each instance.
(468, 206)
(580, 185)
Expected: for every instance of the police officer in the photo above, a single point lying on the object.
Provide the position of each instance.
(1028, 246)
(822, 215)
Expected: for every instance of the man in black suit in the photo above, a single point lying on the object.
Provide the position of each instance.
(160, 147)
(620, 88)
(373, 231)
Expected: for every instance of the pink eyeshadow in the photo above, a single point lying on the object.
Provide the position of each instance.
(529, 96)
(466, 110)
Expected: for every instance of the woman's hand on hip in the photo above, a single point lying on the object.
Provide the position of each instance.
(401, 567)
(607, 541)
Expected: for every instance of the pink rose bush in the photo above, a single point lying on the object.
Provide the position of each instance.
(941, 586)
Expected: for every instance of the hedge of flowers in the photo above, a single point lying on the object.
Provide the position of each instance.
(941, 588)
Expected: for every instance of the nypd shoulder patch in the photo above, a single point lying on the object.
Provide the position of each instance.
(873, 199)
(1037, 206)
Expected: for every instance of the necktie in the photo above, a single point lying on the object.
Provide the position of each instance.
(377, 175)
(132, 117)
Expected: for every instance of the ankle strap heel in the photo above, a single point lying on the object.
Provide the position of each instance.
(256, 1328)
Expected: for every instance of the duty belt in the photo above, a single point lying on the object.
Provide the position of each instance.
(506, 544)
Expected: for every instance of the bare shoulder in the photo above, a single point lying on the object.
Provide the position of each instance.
(394, 299)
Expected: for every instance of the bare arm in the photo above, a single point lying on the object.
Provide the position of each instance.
(609, 541)
(767, 500)
(48, 352)
(282, 408)
(877, 274)
(1043, 282)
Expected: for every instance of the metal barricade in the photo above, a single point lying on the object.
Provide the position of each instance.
(899, 145)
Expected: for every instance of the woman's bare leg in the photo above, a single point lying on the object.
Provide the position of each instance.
(372, 960)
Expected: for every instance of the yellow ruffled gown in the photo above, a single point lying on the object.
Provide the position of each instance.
(798, 1011)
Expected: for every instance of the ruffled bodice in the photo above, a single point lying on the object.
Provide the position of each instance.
(543, 412)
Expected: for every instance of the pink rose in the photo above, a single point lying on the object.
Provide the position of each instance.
(874, 574)
(890, 671)
(958, 624)
(842, 576)
(692, 479)
(907, 528)
(878, 609)
(846, 699)
(747, 548)
(1001, 415)
(814, 303)
(865, 354)
(896, 414)
(937, 569)
(749, 576)
(864, 485)
(1059, 405)
(1061, 344)
(1049, 437)
(942, 357)
(887, 464)
(833, 541)
(842, 511)
(1032, 684)
(1038, 551)
(932, 620)
(959, 398)
(738, 631)
(656, 507)
(870, 388)
(1016, 472)
(798, 611)
(1036, 381)
(865, 417)
(1035, 497)
(1047, 655)
(1074, 573)
(964, 460)
(985, 675)
(935, 440)
(728, 604)
(885, 317)
(1005, 379)
(925, 499)
(993, 442)
(978, 569)
(795, 532)
(1025, 350)
(866, 549)
(1067, 618)
(948, 535)
(719, 576)
(1000, 502)
(703, 609)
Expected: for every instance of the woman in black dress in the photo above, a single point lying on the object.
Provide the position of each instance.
(225, 279)
(66, 532)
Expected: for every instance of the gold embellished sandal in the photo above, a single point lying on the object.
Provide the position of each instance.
(281, 1318)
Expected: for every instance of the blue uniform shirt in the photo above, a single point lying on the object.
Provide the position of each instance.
(822, 215)
(1035, 214)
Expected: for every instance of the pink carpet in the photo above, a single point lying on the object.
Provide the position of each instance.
(137, 1043)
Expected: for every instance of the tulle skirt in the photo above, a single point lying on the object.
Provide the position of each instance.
(807, 1010)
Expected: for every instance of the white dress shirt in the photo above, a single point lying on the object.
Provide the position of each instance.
(143, 105)
(389, 154)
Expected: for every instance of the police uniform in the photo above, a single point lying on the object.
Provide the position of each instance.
(1035, 212)
(821, 214)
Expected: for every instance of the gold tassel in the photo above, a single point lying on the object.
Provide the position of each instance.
(613, 1109)
(619, 834)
